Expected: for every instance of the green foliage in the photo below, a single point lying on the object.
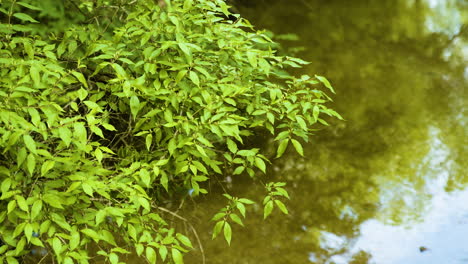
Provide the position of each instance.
(275, 192)
(228, 214)
(107, 110)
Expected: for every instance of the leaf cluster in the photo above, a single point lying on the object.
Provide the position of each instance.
(102, 119)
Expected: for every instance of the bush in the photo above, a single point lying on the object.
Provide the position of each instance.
(108, 108)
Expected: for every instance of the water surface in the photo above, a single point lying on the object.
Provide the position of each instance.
(391, 180)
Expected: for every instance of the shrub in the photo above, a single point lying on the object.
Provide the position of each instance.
(107, 108)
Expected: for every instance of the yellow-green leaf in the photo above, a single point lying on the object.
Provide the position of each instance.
(227, 233)
(177, 256)
(282, 148)
(297, 145)
(194, 77)
(31, 163)
(260, 164)
(36, 209)
(25, 17)
(281, 206)
(267, 209)
(30, 143)
(325, 82)
(80, 78)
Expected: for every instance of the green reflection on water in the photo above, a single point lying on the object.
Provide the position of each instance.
(401, 75)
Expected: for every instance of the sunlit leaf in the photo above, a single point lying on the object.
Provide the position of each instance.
(267, 209)
(151, 255)
(325, 82)
(282, 148)
(281, 206)
(297, 145)
(30, 143)
(177, 256)
(25, 17)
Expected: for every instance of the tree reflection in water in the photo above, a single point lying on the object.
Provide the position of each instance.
(388, 180)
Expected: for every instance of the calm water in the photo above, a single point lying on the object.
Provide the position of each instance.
(393, 177)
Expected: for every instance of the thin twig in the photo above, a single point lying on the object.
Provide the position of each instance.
(77, 7)
(191, 227)
(43, 257)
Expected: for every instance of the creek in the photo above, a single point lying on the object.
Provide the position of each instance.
(389, 184)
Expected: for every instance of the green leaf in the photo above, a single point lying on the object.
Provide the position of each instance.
(301, 123)
(316, 112)
(74, 240)
(238, 170)
(35, 75)
(217, 228)
(185, 240)
(30, 143)
(100, 216)
(91, 233)
(151, 255)
(35, 117)
(177, 256)
(325, 82)
(281, 206)
(119, 70)
(25, 17)
(28, 231)
(87, 188)
(282, 148)
(96, 130)
(252, 58)
(11, 206)
(180, 75)
(260, 164)
(21, 157)
(185, 49)
(66, 135)
(11, 260)
(227, 233)
(52, 200)
(109, 127)
(113, 258)
(68, 260)
(144, 202)
(267, 209)
(5, 186)
(264, 65)
(134, 106)
(163, 252)
(241, 208)
(145, 177)
(80, 132)
(297, 145)
(47, 166)
(29, 6)
(283, 192)
(204, 141)
(57, 245)
(164, 182)
(236, 219)
(194, 77)
(36, 209)
(246, 153)
(22, 203)
(98, 154)
(80, 78)
(31, 163)
(246, 201)
(232, 146)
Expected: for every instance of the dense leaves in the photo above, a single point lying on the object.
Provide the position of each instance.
(106, 112)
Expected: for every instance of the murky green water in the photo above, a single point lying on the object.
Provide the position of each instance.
(393, 177)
